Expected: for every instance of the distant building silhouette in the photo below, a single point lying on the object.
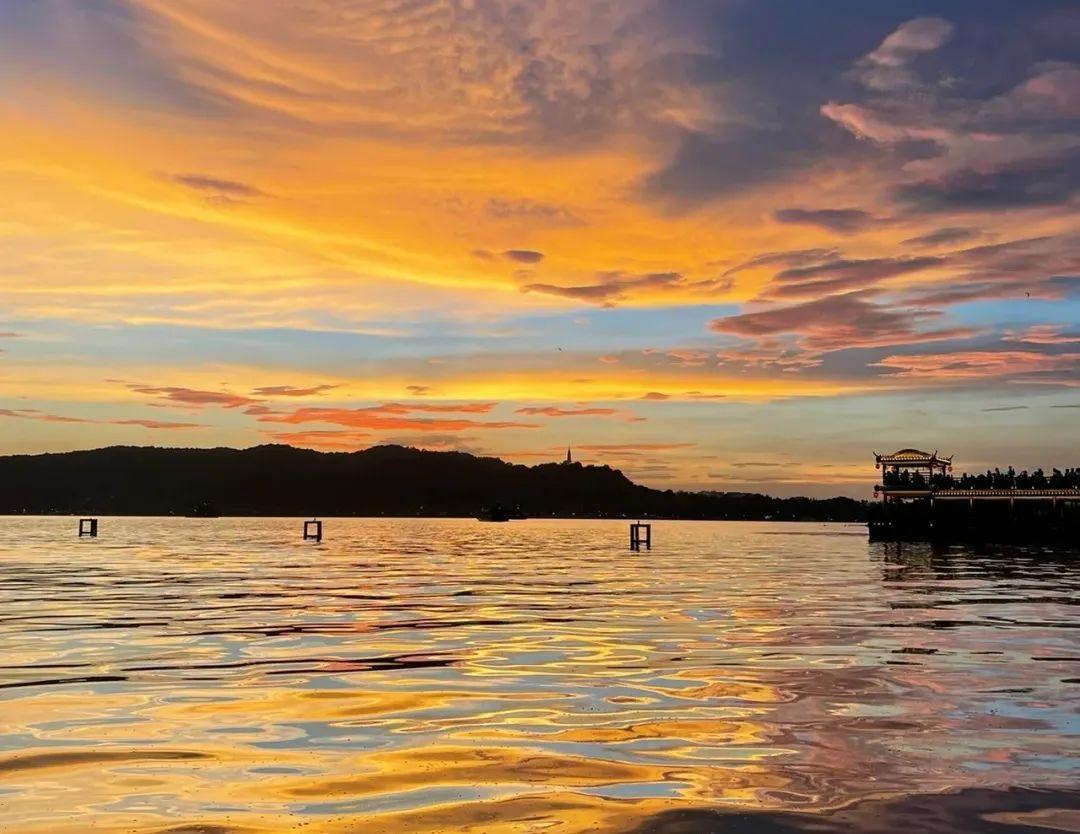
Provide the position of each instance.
(569, 457)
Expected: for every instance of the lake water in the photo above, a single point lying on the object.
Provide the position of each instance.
(210, 676)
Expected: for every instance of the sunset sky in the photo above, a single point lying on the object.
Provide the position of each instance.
(718, 244)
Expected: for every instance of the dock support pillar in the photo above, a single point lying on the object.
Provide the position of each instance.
(640, 534)
(88, 527)
(313, 530)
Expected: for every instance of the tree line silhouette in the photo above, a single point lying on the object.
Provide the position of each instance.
(381, 481)
(991, 479)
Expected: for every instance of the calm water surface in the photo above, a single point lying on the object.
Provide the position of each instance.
(216, 676)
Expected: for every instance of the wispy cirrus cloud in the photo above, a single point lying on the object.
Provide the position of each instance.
(531, 211)
(770, 352)
(609, 287)
(9, 335)
(837, 322)
(689, 357)
(1029, 182)
(612, 287)
(1036, 267)
(523, 256)
(945, 236)
(157, 424)
(842, 275)
(438, 408)
(45, 417)
(1010, 150)
(790, 257)
(842, 221)
(1016, 365)
(218, 187)
(1044, 334)
(192, 397)
(890, 65)
(35, 414)
(292, 390)
(556, 411)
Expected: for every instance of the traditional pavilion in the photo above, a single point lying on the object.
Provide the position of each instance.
(919, 502)
(909, 474)
(912, 460)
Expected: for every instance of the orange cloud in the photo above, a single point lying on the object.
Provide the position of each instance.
(1044, 334)
(331, 439)
(191, 397)
(380, 418)
(978, 364)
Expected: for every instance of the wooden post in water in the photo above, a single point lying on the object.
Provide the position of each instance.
(313, 530)
(640, 534)
(88, 527)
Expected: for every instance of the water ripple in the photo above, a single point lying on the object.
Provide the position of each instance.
(220, 676)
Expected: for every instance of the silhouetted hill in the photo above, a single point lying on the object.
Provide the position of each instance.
(382, 480)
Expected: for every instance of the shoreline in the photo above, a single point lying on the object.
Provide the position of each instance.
(293, 516)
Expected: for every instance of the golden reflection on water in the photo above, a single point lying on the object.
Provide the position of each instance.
(220, 676)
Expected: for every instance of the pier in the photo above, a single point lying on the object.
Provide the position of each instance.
(922, 501)
(313, 530)
(640, 535)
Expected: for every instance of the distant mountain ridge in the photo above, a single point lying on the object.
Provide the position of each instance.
(391, 480)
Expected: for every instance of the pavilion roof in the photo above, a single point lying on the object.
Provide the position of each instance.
(912, 456)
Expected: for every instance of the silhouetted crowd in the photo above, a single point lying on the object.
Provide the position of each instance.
(1009, 479)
